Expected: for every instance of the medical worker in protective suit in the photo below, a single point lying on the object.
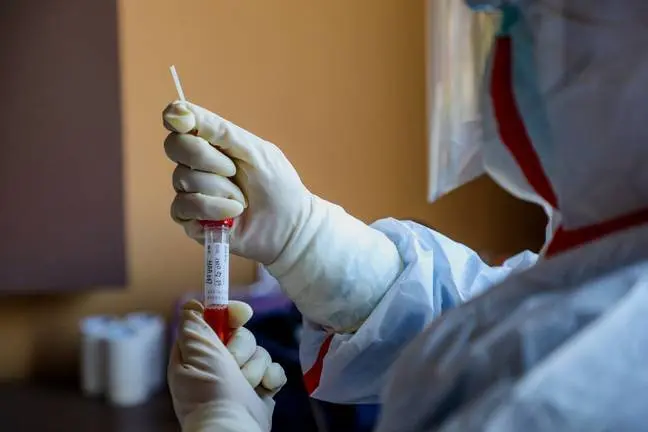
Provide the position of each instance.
(561, 344)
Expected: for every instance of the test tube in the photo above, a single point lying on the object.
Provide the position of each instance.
(216, 276)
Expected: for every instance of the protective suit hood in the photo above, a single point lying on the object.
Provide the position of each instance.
(564, 110)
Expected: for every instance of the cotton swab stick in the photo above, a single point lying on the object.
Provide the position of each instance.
(178, 86)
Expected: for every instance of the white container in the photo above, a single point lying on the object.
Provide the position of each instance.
(153, 331)
(93, 354)
(128, 378)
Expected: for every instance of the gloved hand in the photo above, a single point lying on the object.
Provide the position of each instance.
(219, 388)
(333, 266)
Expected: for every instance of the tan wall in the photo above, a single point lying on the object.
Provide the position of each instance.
(339, 85)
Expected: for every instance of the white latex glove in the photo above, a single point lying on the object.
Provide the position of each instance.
(333, 266)
(218, 388)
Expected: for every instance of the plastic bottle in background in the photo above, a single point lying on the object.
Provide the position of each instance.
(93, 354)
(128, 382)
(153, 332)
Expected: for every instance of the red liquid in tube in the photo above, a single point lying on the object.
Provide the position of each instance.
(218, 319)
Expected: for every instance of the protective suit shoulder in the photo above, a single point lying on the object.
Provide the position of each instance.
(438, 275)
(571, 326)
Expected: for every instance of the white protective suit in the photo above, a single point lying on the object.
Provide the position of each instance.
(558, 346)
(562, 346)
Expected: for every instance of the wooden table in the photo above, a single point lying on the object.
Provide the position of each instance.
(40, 408)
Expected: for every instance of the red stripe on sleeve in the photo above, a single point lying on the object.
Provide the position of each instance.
(314, 374)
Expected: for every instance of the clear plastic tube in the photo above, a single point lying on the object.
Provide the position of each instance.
(216, 277)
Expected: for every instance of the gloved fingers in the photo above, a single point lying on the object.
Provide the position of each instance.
(176, 117)
(186, 180)
(194, 305)
(176, 358)
(193, 326)
(198, 154)
(195, 206)
(239, 313)
(195, 338)
(195, 333)
(274, 378)
(179, 365)
(255, 368)
(242, 345)
(231, 139)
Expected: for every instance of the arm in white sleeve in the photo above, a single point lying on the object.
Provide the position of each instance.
(438, 274)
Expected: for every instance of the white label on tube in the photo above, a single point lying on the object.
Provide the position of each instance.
(216, 274)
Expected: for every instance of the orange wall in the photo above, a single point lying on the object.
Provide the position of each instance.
(339, 85)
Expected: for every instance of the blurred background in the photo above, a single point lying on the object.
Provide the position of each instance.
(339, 86)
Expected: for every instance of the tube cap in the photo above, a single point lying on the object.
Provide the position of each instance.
(229, 222)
